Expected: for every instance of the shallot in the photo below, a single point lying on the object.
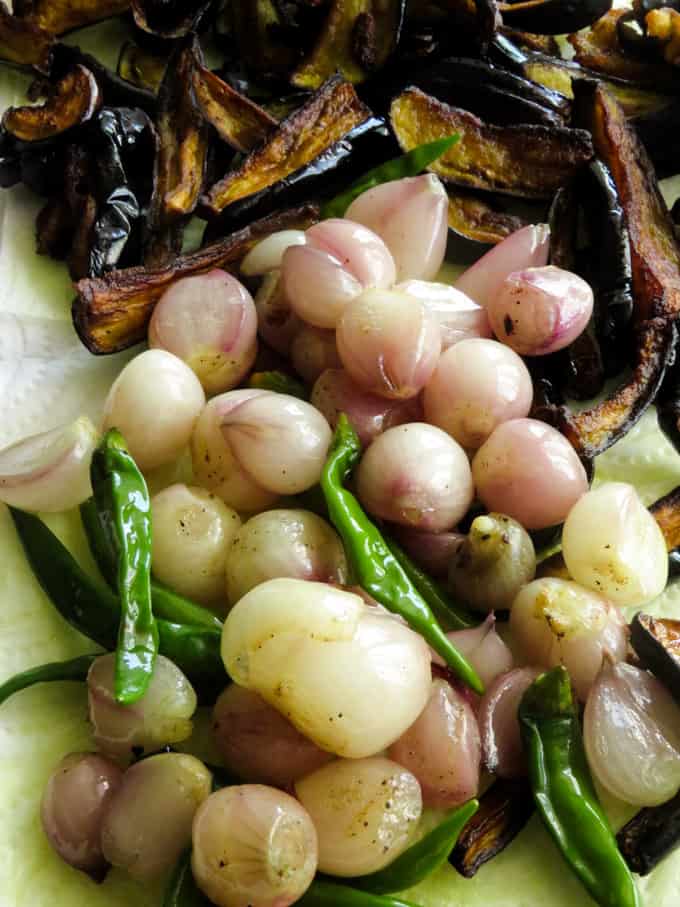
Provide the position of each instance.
(312, 351)
(389, 343)
(540, 310)
(334, 392)
(253, 845)
(488, 654)
(49, 471)
(209, 322)
(477, 385)
(460, 318)
(267, 255)
(529, 471)
(555, 621)
(442, 748)
(526, 248)
(611, 543)
(364, 811)
(631, 730)
(499, 725)
(350, 677)
(410, 215)
(339, 260)
(284, 543)
(277, 323)
(416, 475)
(154, 403)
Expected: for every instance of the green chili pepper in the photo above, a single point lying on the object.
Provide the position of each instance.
(422, 859)
(449, 614)
(91, 607)
(182, 890)
(373, 564)
(125, 510)
(410, 164)
(74, 669)
(166, 603)
(564, 792)
(279, 382)
(331, 894)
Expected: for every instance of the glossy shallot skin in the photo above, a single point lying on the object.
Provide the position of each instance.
(442, 748)
(499, 725)
(209, 322)
(73, 807)
(338, 261)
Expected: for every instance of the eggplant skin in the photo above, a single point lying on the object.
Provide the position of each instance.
(503, 812)
(23, 43)
(655, 255)
(656, 642)
(598, 49)
(61, 16)
(666, 511)
(168, 20)
(330, 114)
(553, 17)
(112, 313)
(528, 161)
(357, 38)
(473, 218)
(239, 122)
(650, 836)
(75, 101)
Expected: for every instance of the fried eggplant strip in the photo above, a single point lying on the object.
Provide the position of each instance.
(475, 219)
(332, 112)
(593, 431)
(239, 122)
(529, 161)
(257, 28)
(357, 38)
(552, 17)
(169, 20)
(655, 253)
(140, 67)
(75, 100)
(112, 313)
(181, 161)
(23, 43)
(60, 16)
(666, 511)
(503, 812)
(598, 49)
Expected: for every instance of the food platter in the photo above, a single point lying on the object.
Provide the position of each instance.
(48, 377)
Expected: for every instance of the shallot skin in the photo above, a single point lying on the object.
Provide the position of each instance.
(339, 260)
(499, 724)
(267, 255)
(631, 731)
(526, 248)
(442, 749)
(460, 318)
(612, 544)
(209, 322)
(258, 744)
(555, 621)
(417, 476)
(253, 845)
(410, 215)
(364, 811)
(477, 385)
(154, 403)
(334, 392)
(73, 806)
(277, 323)
(529, 471)
(389, 343)
(292, 641)
(540, 310)
(488, 654)
(50, 471)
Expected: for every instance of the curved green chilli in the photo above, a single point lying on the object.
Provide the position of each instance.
(166, 603)
(410, 164)
(73, 669)
(322, 893)
(449, 614)
(124, 507)
(373, 565)
(91, 607)
(422, 859)
(564, 792)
